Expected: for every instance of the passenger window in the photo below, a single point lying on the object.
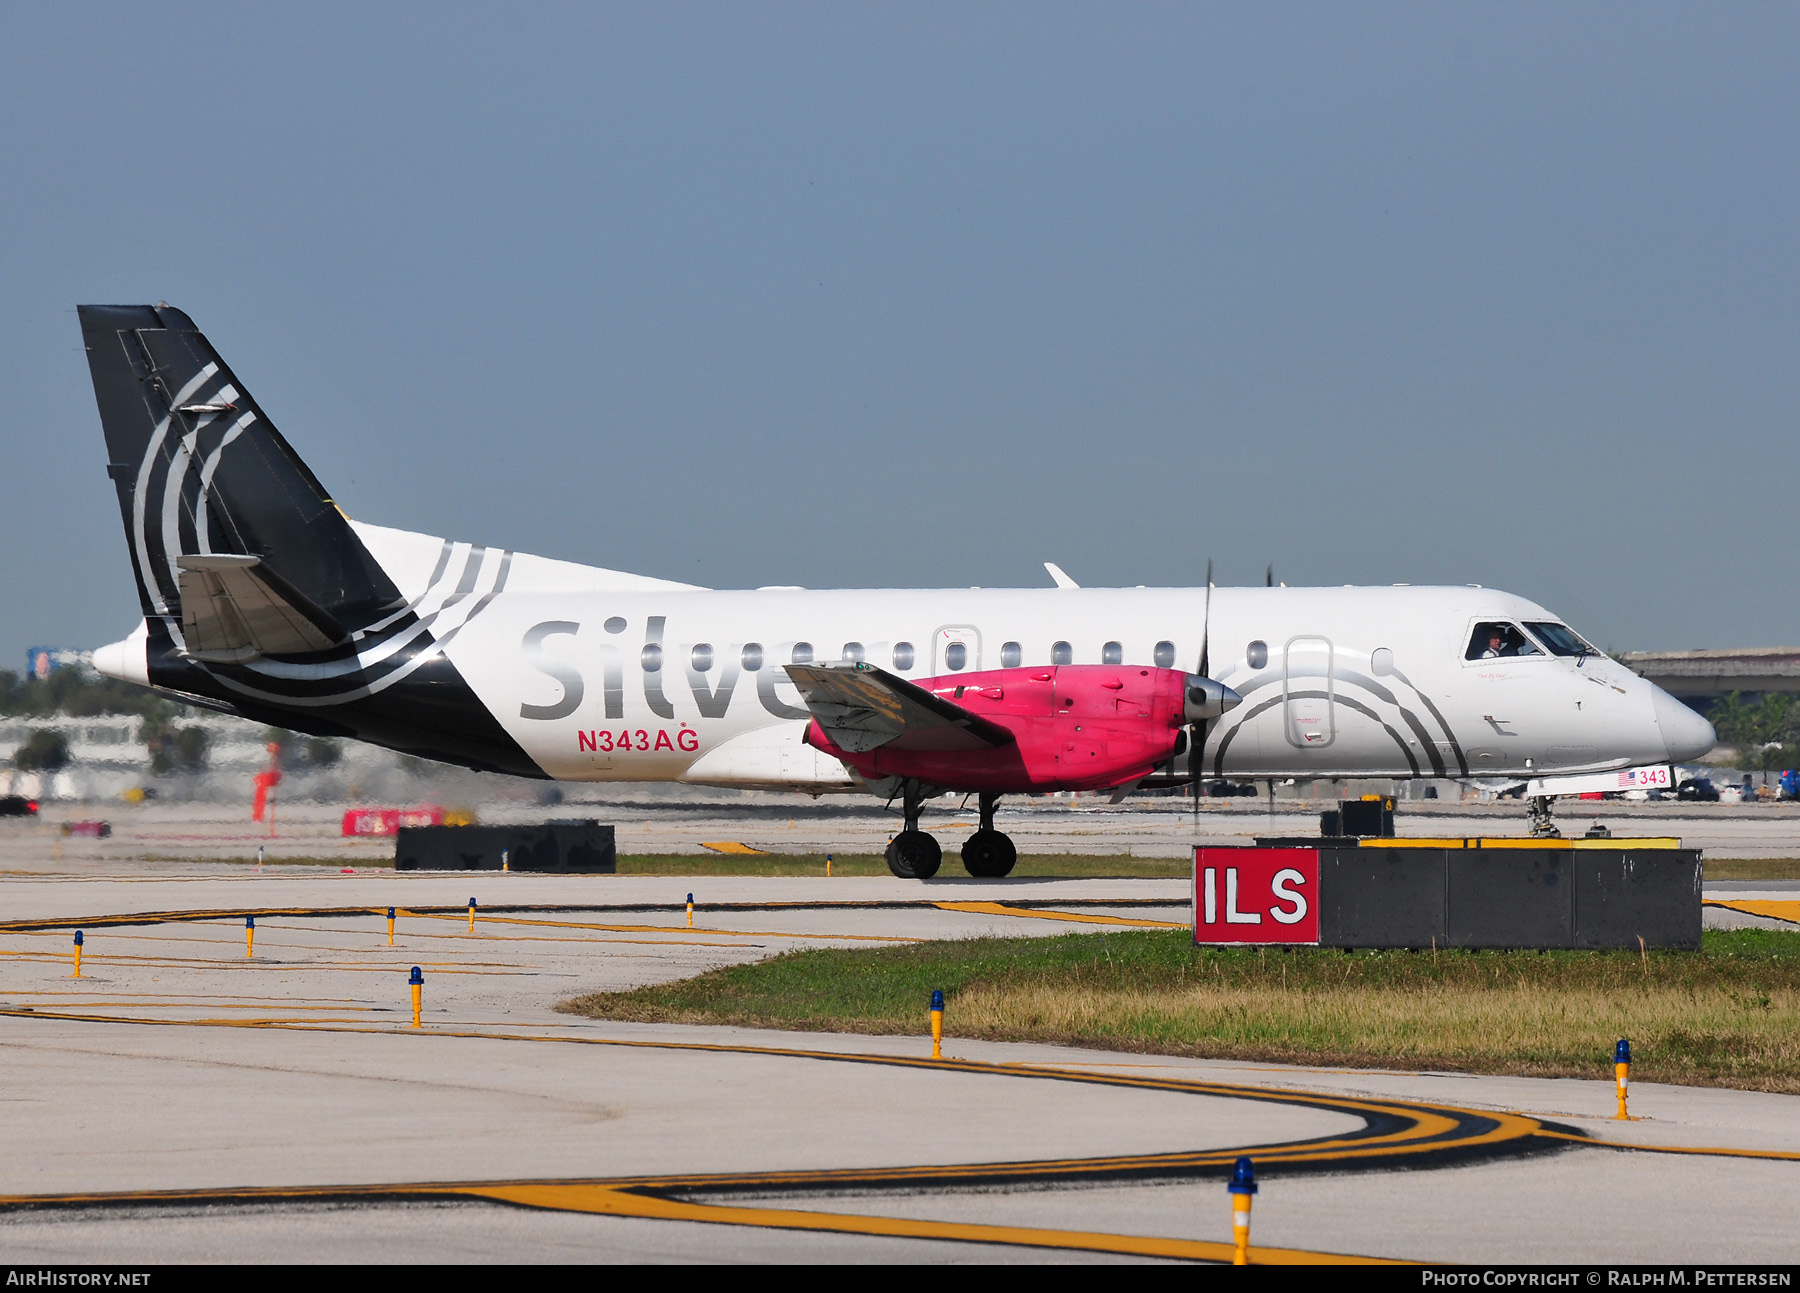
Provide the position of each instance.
(1496, 640)
(853, 651)
(903, 656)
(701, 657)
(1112, 653)
(1381, 662)
(752, 657)
(956, 655)
(1061, 653)
(802, 653)
(1256, 655)
(1165, 655)
(1011, 656)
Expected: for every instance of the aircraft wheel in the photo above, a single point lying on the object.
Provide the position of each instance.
(914, 855)
(989, 854)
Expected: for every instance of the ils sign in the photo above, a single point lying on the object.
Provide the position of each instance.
(1256, 895)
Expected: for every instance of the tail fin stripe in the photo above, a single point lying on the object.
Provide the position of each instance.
(403, 641)
(480, 606)
(202, 527)
(370, 653)
(275, 671)
(140, 535)
(471, 572)
(443, 563)
(175, 478)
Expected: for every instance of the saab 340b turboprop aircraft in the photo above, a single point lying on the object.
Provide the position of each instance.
(261, 598)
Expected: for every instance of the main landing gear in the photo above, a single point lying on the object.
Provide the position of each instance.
(988, 853)
(912, 854)
(915, 855)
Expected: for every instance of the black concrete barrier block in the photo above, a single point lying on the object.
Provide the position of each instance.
(1622, 895)
(1511, 897)
(1480, 897)
(556, 846)
(1383, 898)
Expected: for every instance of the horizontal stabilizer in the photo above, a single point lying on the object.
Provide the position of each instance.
(862, 708)
(234, 608)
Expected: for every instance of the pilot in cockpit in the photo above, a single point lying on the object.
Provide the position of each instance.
(1498, 641)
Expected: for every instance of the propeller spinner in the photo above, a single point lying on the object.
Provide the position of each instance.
(1203, 699)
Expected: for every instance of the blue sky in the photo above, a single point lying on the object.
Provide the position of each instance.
(846, 295)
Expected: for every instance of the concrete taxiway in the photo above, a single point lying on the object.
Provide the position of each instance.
(183, 1101)
(167, 835)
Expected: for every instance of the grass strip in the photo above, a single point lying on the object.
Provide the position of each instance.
(1750, 869)
(1728, 1015)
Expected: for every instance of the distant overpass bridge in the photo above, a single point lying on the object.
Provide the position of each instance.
(1701, 677)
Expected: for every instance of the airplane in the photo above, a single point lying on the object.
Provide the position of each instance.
(262, 598)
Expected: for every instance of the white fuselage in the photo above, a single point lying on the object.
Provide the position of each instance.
(602, 676)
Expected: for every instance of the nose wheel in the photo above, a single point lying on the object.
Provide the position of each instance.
(988, 853)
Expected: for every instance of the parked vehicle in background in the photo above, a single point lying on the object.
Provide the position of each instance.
(1700, 789)
(17, 806)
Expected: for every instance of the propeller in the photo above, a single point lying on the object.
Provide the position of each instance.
(1197, 729)
(1269, 576)
(1204, 700)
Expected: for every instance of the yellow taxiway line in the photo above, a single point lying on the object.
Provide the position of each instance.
(571, 1197)
(1394, 1130)
(1035, 913)
(1788, 911)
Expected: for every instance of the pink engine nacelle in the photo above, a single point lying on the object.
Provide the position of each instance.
(1075, 727)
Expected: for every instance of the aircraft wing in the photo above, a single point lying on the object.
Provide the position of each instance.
(862, 708)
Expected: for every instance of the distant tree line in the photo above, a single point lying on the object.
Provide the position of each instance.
(1766, 731)
(75, 693)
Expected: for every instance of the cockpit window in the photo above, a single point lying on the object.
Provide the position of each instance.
(1493, 640)
(1561, 639)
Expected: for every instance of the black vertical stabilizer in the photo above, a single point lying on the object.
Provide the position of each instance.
(289, 619)
(201, 470)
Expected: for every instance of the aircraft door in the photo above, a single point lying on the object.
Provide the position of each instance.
(955, 648)
(1308, 693)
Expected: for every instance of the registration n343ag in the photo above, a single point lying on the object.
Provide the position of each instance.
(261, 597)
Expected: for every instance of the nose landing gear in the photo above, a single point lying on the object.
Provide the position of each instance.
(988, 853)
(1542, 827)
